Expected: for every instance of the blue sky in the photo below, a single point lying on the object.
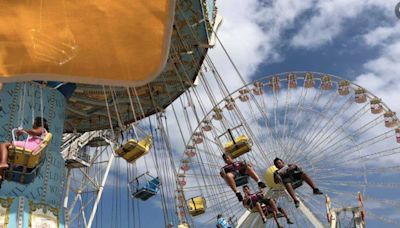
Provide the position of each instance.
(356, 39)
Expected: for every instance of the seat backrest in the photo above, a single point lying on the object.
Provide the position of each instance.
(153, 184)
(241, 180)
(46, 141)
(146, 142)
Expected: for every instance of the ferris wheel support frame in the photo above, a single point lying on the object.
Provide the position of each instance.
(79, 143)
(101, 187)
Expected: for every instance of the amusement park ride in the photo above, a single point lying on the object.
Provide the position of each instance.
(140, 102)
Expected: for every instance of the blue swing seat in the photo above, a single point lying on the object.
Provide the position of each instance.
(148, 190)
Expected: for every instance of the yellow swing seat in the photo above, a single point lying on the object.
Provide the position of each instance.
(197, 205)
(183, 225)
(20, 156)
(133, 150)
(236, 148)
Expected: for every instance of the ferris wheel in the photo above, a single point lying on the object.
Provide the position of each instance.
(342, 135)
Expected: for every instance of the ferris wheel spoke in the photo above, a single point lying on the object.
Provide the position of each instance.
(320, 118)
(357, 147)
(271, 129)
(331, 122)
(332, 141)
(362, 184)
(297, 113)
(359, 131)
(294, 127)
(285, 116)
(315, 123)
(314, 103)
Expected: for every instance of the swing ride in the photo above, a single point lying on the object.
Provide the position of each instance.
(155, 134)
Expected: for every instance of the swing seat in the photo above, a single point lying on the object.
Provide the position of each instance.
(297, 183)
(149, 190)
(183, 225)
(20, 156)
(241, 180)
(133, 150)
(21, 174)
(236, 148)
(196, 205)
(144, 194)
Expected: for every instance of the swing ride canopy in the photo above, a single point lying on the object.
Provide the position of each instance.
(155, 46)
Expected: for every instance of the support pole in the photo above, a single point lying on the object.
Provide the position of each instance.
(103, 182)
(66, 213)
(67, 189)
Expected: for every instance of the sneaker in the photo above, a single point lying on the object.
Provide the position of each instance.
(264, 220)
(317, 192)
(261, 184)
(289, 221)
(239, 196)
(297, 204)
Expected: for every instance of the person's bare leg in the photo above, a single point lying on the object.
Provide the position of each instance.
(230, 180)
(4, 154)
(282, 211)
(291, 192)
(276, 219)
(259, 209)
(250, 171)
(308, 180)
(3, 158)
(272, 204)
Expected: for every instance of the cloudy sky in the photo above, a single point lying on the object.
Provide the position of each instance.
(355, 39)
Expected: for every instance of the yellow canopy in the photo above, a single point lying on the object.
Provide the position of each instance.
(119, 42)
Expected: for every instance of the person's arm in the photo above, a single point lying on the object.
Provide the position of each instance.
(246, 203)
(219, 226)
(35, 131)
(292, 166)
(277, 178)
(283, 170)
(222, 172)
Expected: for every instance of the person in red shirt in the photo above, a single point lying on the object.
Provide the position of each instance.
(264, 206)
(233, 169)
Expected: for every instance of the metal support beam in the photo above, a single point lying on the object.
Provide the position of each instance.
(310, 216)
(101, 188)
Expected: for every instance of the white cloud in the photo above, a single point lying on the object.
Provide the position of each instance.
(381, 35)
(381, 74)
(331, 17)
(252, 32)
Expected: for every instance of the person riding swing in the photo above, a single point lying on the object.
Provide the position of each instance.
(290, 174)
(234, 169)
(39, 130)
(264, 206)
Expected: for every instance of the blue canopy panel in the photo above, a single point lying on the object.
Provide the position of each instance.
(66, 89)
